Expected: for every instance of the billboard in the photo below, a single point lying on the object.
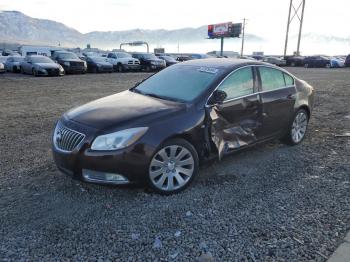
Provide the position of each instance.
(224, 30)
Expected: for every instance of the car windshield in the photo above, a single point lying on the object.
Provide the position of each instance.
(149, 56)
(181, 83)
(123, 55)
(67, 56)
(17, 59)
(40, 59)
(98, 59)
(168, 58)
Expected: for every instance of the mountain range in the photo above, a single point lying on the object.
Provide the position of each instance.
(17, 27)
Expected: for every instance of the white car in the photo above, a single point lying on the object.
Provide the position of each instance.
(13, 64)
(122, 61)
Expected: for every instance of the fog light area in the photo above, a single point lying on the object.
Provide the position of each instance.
(104, 177)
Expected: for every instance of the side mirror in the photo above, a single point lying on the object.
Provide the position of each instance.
(217, 97)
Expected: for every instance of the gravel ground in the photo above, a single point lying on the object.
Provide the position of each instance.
(269, 203)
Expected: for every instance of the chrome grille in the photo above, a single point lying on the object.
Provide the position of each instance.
(66, 139)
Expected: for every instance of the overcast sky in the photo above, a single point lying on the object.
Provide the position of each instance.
(266, 17)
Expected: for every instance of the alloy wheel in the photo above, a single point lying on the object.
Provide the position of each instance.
(171, 168)
(299, 127)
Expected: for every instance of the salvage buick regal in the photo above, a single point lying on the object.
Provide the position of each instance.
(160, 130)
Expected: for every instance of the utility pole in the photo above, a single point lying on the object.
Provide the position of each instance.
(222, 47)
(243, 35)
(290, 19)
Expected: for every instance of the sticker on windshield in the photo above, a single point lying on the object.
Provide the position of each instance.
(209, 70)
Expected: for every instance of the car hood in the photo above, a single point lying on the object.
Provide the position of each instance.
(47, 65)
(123, 109)
(71, 60)
(126, 59)
(104, 64)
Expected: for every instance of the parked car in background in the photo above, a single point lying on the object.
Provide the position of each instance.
(98, 64)
(123, 61)
(70, 62)
(347, 61)
(274, 60)
(317, 61)
(199, 56)
(337, 62)
(39, 65)
(183, 58)
(169, 60)
(13, 64)
(149, 62)
(159, 131)
(294, 60)
(2, 68)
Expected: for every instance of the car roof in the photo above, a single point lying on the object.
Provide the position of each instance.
(37, 56)
(224, 63)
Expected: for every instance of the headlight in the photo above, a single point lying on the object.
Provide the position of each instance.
(66, 63)
(61, 68)
(118, 140)
(153, 63)
(99, 65)
(2, 66)
(85, 64)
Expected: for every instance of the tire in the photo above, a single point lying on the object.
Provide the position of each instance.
(120, 68)
(299, 125)
(14, 69)
(22, 70)
(34, 72)
(166, 166)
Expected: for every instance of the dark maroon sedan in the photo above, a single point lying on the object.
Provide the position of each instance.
(161, 130)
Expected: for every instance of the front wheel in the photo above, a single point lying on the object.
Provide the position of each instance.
(297, 130)
(120, 68)
(173, 167)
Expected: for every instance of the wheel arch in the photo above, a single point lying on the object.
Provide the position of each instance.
(306, 108)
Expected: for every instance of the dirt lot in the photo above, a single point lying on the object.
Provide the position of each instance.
(268, 203)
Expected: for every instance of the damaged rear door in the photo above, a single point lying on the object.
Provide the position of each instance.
(235, 122)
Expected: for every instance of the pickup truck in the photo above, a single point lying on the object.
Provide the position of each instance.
(122, 61)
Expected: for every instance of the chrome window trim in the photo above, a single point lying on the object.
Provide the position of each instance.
(255, 93)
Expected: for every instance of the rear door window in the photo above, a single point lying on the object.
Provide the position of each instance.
(271, 79)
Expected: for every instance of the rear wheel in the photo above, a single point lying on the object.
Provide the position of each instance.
(297, 130)
(173, 167)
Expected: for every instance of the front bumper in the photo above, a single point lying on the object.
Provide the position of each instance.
(73, 69)
(98, 166)
(132, 67)
(50, 72)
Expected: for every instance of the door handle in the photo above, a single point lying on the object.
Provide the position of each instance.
(290, 96)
